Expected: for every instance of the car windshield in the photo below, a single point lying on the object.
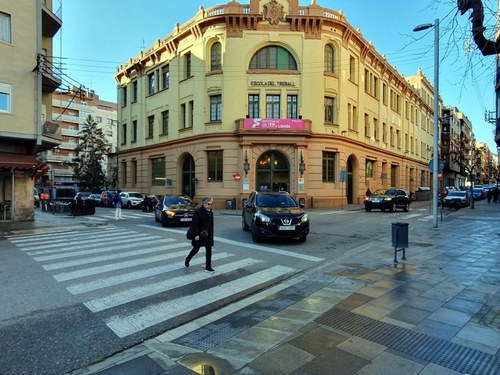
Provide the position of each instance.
(275, 201)
(456, 193)
(385, 192)
(177, 201)
(136, 195)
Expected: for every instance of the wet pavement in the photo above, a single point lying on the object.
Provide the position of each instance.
(438, 312)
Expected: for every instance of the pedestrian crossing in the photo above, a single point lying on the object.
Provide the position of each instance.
(110, 216)
(133, 281)
(418, 214)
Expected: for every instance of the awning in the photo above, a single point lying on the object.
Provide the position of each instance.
(18, 161)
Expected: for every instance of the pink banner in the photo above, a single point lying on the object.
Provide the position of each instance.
(273, 123)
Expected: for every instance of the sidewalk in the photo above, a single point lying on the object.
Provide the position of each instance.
(436, 313)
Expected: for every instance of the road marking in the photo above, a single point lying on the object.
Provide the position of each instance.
(410, 216)
(138, 275)
(426, 218)
(149, 316)
(242, 244)
(43, 236)
(336, 212)
(134, 294)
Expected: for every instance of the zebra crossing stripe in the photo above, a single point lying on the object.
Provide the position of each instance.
(71, 275)
(406, 217)
(79, 262)
(333, 213)
(102, 247)
(82, 243)
(147, 317)
(22, 238)
(134, 294)
(137, 275)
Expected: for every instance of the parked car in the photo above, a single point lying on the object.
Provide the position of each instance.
(96, 198)
(274, 215)
(174, 210)
(107, 198)
(457, 199)
(478, 193)
(131, 199)
(83, 195)
(388, 199)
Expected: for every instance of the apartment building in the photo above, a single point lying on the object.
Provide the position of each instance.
(27, 81)
(71, 107)
(271, 95)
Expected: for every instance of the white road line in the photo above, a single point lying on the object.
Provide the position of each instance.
(137, 275)
(42, 237)
(242, 244)
(322, 213)
(134, 294)
(410, 216)
(103, 247)
(157, 313)
(79, 262)
(426, 218)
(71, 275)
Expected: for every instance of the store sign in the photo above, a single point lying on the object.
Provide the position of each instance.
(274, 124)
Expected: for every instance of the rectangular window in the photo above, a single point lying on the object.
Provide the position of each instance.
(376, 129)
(158, 171)
(292, 106)
(165, 77)
(187, 61)
(5, 98)
(134, 91)
(215, 108)
(369, 168)
(352, 117)
(124, 134)
(253, 106)
(191, 113)
(151, 83)
(368, 130)
(328, 166)
(352, 69)
(329, 110)
(164, 122)
(133, 166)
(183, 116)
(272, 106)
(5, 28)
(134, 131)
(215, 163)
(384, 93)
(124, 96)
(151, 126)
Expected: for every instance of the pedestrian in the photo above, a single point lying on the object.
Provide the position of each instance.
(117, 201)
(368, 192)
(494, 193)
(202, 229)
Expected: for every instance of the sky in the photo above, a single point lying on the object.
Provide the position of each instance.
(99, 35)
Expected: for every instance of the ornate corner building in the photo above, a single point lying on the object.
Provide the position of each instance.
(271, 95)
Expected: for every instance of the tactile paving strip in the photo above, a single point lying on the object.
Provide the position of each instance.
(431, 349)
(223, 329)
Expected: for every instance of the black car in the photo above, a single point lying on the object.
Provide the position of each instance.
(274, 215)
(174, 210)
(388, 199)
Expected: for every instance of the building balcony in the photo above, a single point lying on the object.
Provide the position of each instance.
(51, 22)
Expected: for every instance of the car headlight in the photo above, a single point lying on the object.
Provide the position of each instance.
(388, 199)
(263, 218)
(304, 218)
(170, 213)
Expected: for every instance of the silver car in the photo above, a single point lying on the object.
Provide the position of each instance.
(131, 199)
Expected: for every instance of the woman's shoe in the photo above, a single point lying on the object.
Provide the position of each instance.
(186, 262)
(209, 269)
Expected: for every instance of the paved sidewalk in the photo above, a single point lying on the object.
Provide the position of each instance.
(436, 313)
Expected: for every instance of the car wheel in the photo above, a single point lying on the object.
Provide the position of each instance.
(367, 209)
(156, 218)
(129, 205)
(393, 207)
(256, 233)
(244, 225)
(407, 207)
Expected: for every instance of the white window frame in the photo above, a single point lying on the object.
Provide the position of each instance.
(5, 28)
(6, 89)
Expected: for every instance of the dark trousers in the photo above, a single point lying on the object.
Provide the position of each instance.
(208, 255)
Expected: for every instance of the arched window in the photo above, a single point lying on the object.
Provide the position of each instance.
(273, 57)
(329, 59)
(216, 57)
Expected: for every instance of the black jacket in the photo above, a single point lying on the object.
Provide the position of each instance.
(203, 219)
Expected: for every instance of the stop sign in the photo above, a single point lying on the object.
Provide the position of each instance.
(440, 176)
(237, 177)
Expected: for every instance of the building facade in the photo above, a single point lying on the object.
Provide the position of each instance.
(71, 108)
(27, 80)
(271, 95)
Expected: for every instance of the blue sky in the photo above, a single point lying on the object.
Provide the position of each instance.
(99, 35)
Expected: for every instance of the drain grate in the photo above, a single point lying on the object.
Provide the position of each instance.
(444, 353)
(225, 328)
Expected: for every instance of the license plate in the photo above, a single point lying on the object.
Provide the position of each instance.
(286, 227)
(186, 219)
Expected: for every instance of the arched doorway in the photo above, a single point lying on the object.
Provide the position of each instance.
(188, 177)
(273, 172)
(350, 180)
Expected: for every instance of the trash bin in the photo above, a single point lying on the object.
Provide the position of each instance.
(229, 204)
(400, 235)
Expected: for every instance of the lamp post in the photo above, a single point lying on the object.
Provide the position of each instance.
(436, 118)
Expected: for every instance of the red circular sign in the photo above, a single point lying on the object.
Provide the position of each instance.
(237, 177)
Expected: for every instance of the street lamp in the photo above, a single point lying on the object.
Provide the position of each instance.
(436, 118)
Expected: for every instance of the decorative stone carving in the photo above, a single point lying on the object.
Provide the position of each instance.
(274, 12)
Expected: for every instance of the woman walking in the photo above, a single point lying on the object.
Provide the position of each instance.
(202, 228)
